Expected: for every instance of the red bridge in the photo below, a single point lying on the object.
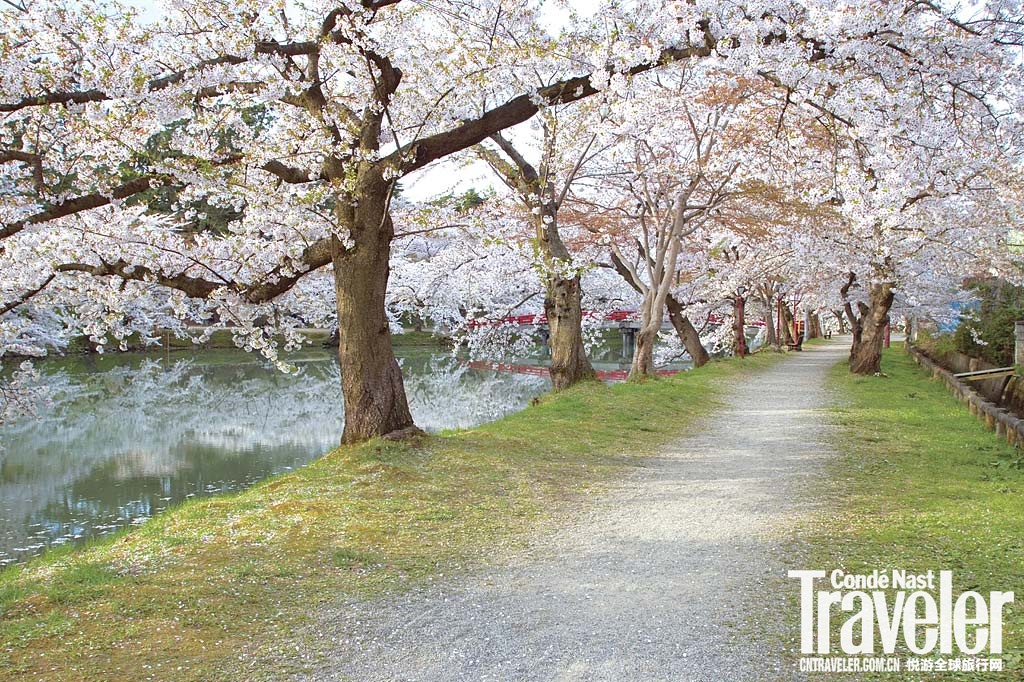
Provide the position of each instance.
(615, 319)
(542, 371)
(539, 319)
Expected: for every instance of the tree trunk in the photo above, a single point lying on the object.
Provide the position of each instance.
(740, 326)
(841, 320)
(564, 309)
(563, 295)
(771, 338)
(866, 357)
(686, 332)
(856, 322)
(562, 305)
(371, 380)
(788, 328)
(857, 330)
(643, 356)
(652, 312)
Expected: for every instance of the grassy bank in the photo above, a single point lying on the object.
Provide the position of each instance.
(217, 588)
(921, 485)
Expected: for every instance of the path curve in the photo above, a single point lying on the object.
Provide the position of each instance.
(672, 576)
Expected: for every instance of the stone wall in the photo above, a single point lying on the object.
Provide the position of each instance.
(1003, 421)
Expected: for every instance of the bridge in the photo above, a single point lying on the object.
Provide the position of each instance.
(612, 319)
(625, 320)
(542, 370)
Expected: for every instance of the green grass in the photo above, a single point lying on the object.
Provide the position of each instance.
(221, 588)
(921, 484)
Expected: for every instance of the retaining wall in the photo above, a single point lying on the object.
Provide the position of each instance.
(1005, 423)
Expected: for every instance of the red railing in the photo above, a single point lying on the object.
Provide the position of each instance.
(611, 316)
(541, 318)
(540, 371)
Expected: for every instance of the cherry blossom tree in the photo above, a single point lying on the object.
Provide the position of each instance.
(298, 119)
(685, 182)
(567, 144)
(305, 115)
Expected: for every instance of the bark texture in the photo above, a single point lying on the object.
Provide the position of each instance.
(815, 326)
(563, 305)
(563, 296)
(854, 317)
(788, 326)
(643, 356)
(371, 380)
(766, 297)
(564, 309)
(740, 326)
(770, 337)
(866, 357)
(686, 332)
(841, 319)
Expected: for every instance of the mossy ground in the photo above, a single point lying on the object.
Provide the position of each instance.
(216, 588)
(920, 484)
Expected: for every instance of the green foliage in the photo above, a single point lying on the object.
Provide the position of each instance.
(1002, 304)
(464, 202)
(936, 343)
(204, 217)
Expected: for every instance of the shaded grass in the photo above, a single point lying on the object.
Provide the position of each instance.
(218, 588)
(921, 484)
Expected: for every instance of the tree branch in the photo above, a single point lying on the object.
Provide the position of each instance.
(8, 307)
(418, 154)
(83, 203)
(130, 188)
(269, 287)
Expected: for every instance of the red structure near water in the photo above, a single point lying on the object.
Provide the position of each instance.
(622, 317)
(541, 371)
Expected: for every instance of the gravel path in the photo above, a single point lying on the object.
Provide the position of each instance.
(672, 576)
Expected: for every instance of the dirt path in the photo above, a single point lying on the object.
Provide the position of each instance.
(673, 576)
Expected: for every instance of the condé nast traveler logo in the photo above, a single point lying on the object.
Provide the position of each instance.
(881, 612)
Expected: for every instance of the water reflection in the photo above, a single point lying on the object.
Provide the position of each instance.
(129, 435)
